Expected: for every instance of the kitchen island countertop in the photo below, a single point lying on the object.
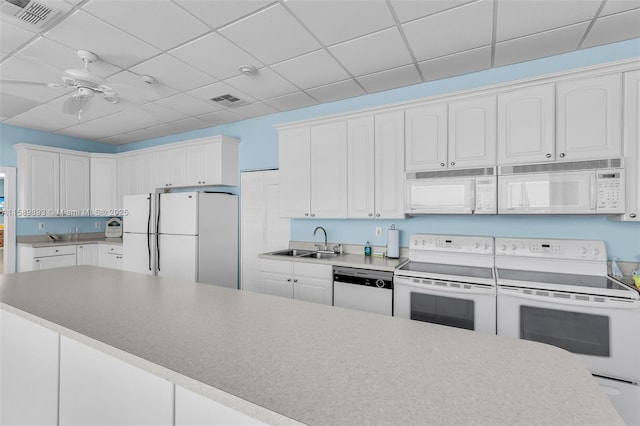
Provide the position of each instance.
(312, 363)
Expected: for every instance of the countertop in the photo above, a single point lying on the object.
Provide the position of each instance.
(313, 363)
(49, 243)
(345, 259)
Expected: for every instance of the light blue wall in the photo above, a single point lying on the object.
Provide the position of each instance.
(259, 150)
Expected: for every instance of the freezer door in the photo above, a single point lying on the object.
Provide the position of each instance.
(138, 252)
(178, 256)
(178, 213)
(139, 213)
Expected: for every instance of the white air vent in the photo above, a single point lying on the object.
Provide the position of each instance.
(30, 12)
(229, 100)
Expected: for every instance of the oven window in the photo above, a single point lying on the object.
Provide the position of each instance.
(574, 331)
(443, 310)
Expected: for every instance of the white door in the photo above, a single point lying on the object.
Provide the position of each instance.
(51, 262)
(389, 165)
(178, 213)
(472, 132)
(426, 137)
(74, 184)
(40, 180)
(526, 125)
(360, 168)
(104, 184)
(140, 217)
(213, 163)
(329, 170)
(178, 166)
(295, 162)
(87, 254)
(313, 290)
(138, 252)
(178, 257)
(194, 159)
(589, 118)
(276, 284)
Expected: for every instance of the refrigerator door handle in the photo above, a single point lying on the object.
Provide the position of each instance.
(149, 230)
(158, 234)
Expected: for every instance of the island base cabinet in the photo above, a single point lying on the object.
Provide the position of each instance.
(193, 409)
(28, 372)
(98, 388)
(300, 281)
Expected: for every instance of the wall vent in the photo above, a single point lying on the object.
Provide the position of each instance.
(484, 171)
(229, 101)
(561, 167)
(30, 12)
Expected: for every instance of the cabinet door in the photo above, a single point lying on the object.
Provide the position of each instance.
(313, 290)
(294, 160)
(194, 165)
(144, 168)
(276, 284)
(110, 256)
(193, 409)
(472, 132)
(178, 166)
(360, 168)
(51, 262)
(104, 184)
(74, 185)
(632, 144)
(426, 137)
(39, 180)
(127, 177)
(87, 254)
(29, 366)
(526, 125)
(389, 165)
(329, 170)
(96, 388)
(589, 118)
(212, 164)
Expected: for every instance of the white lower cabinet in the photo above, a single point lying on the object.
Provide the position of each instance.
(87, 254)
(38, 258)
(96, 388)
(110, 256)
(297, 280)
(28, 372)
(193, 409)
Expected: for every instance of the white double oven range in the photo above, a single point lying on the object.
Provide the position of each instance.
(550, 291)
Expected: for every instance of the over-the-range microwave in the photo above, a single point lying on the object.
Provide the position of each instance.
(581, 187)
(464, 191)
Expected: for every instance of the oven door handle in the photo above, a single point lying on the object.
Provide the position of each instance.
(476, 288)
(607, 304)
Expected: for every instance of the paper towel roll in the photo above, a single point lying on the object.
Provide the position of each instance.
(393, 243)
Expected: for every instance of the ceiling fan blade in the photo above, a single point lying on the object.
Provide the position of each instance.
(30, 83)
(76, 104)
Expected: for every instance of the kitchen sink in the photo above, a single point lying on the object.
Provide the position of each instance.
(320, 255)
(293, 252)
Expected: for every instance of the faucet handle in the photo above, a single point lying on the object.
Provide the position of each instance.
(318, 246)
(337, 249)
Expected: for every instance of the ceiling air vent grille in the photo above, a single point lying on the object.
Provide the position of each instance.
(30, 12)
(229, 101)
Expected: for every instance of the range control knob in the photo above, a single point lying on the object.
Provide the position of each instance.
(514, 247)
(486, 246)
(596, 252)
(504, 247)
(379, 283)
(583, 250)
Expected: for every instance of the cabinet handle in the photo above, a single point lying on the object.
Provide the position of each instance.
(562, 155)
(548, 155)
(37, 260)
(57, 250)
(377, 214)
(295, 281)
(632, 215)
(441, 164)
(453, 163)
(288, 280)
(203, 182)
(313, 215)
(306, 214)
(370, 214)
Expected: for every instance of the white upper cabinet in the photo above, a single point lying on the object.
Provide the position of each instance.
(38, 180)
(632, 144)
(426, 137)
(526, 125)
(212, 162)
(171, 167)
(75, 198)
(328, 182)
(361, 167)
(389, 165)
(104, 184)
(472, 132)
(294, 158)
(589, 118)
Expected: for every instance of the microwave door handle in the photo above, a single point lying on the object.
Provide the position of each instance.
(594, 192)
(567, 302)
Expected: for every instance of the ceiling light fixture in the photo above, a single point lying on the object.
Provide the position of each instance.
(148, 79)
(247, 69)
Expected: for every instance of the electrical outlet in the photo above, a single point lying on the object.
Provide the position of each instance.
(41, 226)
(378, 231)
(98, 225)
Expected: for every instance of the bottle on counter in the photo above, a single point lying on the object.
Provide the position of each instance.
(367, 249)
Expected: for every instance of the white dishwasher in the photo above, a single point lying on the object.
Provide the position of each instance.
(363, 290)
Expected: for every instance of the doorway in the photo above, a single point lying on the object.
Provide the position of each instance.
(8, 251)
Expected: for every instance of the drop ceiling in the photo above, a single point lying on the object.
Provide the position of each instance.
(306, 52)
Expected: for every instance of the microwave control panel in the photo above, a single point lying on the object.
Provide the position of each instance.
(610, 187)
(486, 194)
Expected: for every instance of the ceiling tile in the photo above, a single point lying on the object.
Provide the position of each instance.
(118, 140)
(173, 73)
(372, 53)
(218, 89)
(154, 132)
(127, 121)
(390, 79)
(186, 104)
(292, 101)
(15, 68)
(84, 31)
(271, 35)
(336, 91)
(254, 110)
(456, 64)
(311, 70)
(95, 129)
(524, 17)
(334, 21)
(16, 110)
(264, 84)
(540, 45)
(221, 12)
(215, 55)
(408, 10)
(453, 31)
(191, 123)
(615, 6)
(162, 113)
(220, 117)
(131, 88)
(612, 28)
(13, 37)
(160, 23)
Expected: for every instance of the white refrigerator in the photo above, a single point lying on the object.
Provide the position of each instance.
(195, 238)
(139, 234)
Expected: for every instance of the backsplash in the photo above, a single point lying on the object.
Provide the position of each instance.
(59, 225)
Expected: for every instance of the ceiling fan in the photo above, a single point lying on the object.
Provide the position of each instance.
(86, 84)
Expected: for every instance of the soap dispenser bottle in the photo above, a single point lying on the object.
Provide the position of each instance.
(367, 249)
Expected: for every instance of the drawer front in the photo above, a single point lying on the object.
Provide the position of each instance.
(54, 251)
(276, 266)
(111, 249)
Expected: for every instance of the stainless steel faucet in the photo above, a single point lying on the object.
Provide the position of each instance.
(325, 236)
